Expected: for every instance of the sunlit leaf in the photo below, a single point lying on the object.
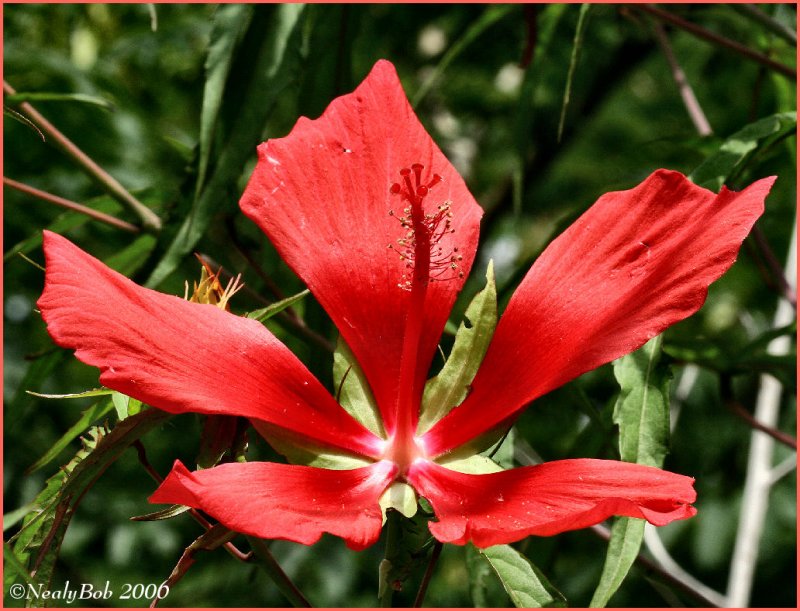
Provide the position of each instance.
(44, 96)
(719, 167)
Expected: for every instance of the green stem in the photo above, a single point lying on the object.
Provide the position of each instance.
(279, 578)
(385, 589)
(149, 218)
(66, 203)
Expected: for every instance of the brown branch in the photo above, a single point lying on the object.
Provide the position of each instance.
(727, 43)
(775, 267)
(696, 113)
(738, 410)
(149, 218)
(69, 204)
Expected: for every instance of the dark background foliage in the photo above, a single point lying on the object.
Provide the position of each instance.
(488, 82)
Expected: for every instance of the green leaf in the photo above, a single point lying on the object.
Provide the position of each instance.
(523, 582)
(577, 44)
(474, 465)
(451, 386)
(227, 29)
(353, 391)
(88, 416)
(300, 451)
(272, 68)
(623, 547)
(731, 156)
(642, 409)
(642, 413)
(400, 497)
(131, 258)
(42, 96)
(38, 542)
(271, 310)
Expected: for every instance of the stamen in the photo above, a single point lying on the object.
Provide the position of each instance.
(424, 231)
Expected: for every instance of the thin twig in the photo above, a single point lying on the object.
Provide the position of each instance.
(775, 268)
(149, 218)
(274, 570)
(656, 547)
(755, 13)
(755, 499)
(426, 578)
(718, 40)
(696, 113)
(738, 409)
(198, 517)
(66, 203)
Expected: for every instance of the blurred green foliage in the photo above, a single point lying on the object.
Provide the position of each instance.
(492, 81)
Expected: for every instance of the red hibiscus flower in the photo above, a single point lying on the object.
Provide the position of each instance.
(367, 210)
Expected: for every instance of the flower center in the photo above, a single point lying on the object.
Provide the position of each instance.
(426, 260)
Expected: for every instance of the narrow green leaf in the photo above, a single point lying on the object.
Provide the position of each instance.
(271, 310)
(642, 413)
(16, 515)
(95, 392)
(229, 23)
(353, 391)
(451, 385)
(88, 416)
(642, 409)
(131, 258)
(13, 568)
(43, 96)
(577, 45)
(271, 70)
(164, 514)
(731, 156)
(490, 16)
(120, 402)
(525, 584)
(623, 547)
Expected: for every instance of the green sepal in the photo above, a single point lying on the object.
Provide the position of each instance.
(473, 465)
(353, 391)
(401, 497)
(300, 451)
(125, 405)
(451, 386)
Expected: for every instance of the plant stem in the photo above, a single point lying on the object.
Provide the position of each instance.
(385, 589)
(149, 218)
(279, 578)
(66, 203)
(718, 40)
(426, 579)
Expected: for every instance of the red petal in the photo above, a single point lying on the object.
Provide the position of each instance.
(184, 357)
(635, 263)
(290, 502)
(547, 499)
(322, 196)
